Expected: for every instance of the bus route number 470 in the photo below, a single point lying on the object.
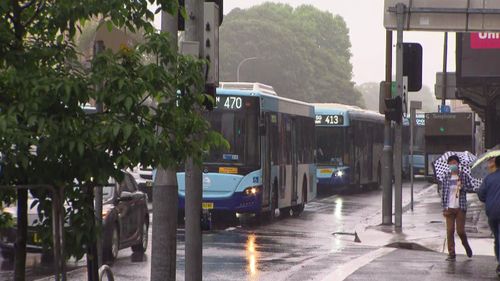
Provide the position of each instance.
(233, 102)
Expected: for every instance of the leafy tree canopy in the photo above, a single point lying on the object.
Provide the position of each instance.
(304, 53)
(47, 138)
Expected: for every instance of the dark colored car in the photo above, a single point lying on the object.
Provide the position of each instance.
(125, 218)
(125, 221)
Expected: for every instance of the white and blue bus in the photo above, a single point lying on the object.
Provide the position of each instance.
(349, 144)
(270, 163)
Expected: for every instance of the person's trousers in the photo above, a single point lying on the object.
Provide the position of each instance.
(495, 225)
(455, 217)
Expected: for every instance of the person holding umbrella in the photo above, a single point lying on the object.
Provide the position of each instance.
(455, 184)
(489, 192)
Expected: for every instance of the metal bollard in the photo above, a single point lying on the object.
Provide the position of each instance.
(105, 270)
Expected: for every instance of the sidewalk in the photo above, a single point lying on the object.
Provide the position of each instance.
(425, 227)
(419, 248)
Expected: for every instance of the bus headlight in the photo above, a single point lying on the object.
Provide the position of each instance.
(251, 191)
(339, 174)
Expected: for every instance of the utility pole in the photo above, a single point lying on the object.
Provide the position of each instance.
(414, 105)
(401, 10)
(445, 75)
(387, 157)
(194, 253)
(165, 197)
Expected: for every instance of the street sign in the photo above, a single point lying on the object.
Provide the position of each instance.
(444, 109)
(445, 15)
(449, 124)
(478, 59)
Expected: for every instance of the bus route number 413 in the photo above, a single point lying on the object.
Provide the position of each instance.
(329, 119)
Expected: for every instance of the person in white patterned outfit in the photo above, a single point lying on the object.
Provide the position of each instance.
(455, 184)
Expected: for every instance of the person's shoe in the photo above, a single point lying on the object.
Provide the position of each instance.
(451, 258)
(468, 250)
(498, 270)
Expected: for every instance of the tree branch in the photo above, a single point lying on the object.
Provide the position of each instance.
(37, 12)
(28, 4)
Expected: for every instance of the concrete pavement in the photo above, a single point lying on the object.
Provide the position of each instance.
(419, 247)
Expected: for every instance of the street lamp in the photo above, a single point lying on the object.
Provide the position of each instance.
(240, 64)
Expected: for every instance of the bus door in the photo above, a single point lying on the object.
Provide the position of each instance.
(295, 148)
(266, 153)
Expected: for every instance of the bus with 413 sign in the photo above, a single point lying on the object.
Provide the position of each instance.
(349, 143)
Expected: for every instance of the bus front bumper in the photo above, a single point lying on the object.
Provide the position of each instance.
(333, 181)
(238, 203)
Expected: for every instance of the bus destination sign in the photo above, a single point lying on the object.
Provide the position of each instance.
(331, 120)
(235, 103)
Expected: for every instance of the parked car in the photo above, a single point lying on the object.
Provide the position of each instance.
(125, 221)
(145, 178)
(8, 235)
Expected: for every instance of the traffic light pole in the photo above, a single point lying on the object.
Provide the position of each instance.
(193, 244)
(400, 10)
(165, 199)
(387, 156)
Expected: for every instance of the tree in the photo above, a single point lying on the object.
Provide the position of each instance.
(304, 53)
(47, 138)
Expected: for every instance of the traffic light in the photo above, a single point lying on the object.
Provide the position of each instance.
(412, 65)
(394, 109)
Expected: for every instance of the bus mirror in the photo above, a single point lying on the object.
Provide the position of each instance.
(262, 130)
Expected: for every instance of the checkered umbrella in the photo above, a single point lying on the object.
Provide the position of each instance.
(466, 160)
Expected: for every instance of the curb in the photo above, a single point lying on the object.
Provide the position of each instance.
(70, 274)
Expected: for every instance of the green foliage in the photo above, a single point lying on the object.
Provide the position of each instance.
(47, 138)
(303, 52)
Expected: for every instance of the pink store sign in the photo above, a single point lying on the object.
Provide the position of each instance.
(485, 40)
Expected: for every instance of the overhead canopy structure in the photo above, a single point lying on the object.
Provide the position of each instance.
(478, 48)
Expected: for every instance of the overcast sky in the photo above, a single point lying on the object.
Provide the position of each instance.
(365, 21)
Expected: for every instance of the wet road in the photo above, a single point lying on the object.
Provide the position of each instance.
(305, 248)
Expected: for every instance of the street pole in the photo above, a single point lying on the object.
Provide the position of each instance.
(445, 78)
(387, 156)
(194, 253)
(239, 66)
(165, 198)
(414, 105)
(412, 141)
(400, 7)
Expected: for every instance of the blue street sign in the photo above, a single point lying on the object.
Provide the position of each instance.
(444, 109)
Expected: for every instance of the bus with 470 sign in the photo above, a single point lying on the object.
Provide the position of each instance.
(270, 163)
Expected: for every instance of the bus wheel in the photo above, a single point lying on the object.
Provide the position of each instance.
(298, 209)
(285, 212)
(274, 202)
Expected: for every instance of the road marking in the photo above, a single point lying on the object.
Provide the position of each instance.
(345, 270)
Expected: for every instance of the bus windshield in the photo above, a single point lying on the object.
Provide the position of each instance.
(240, 129)
(330, 145)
